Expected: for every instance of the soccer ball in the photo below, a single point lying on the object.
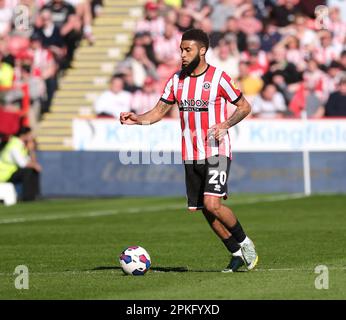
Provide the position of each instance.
(135, 261)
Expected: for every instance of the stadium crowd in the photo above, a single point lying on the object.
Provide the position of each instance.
(286, 55)
(37, 42)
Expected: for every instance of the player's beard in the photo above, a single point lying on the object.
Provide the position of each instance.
(187, 70)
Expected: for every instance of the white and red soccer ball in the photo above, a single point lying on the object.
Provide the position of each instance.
(135, 261)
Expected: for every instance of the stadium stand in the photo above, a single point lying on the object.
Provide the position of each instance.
(91, 69)
(286, 43)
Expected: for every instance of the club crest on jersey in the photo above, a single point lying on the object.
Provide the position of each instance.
(180, 85)
(206, 85)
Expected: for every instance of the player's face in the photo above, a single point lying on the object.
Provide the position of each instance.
(189, 52)
(190, 55)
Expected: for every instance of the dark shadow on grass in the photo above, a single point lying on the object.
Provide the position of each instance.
(161, 269)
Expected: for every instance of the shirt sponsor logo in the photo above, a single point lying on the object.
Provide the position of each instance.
(193, 105)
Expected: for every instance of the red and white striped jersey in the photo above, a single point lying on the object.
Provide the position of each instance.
(202, 102)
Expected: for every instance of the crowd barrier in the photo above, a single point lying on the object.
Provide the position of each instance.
(101, 174)
(269, 156)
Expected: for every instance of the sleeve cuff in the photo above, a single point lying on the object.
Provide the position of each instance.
(236, 100)
(167, 101)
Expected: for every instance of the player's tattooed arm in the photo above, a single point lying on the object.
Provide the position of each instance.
(150, 117)
(243, 109)
(218, 131)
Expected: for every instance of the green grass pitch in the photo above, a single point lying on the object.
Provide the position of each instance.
(71, 249)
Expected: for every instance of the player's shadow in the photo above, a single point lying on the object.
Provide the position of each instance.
(160, 269)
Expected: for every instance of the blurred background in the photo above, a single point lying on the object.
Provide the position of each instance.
(68, 68)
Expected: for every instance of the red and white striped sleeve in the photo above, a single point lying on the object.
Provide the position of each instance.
(168, 93)
(228, 89)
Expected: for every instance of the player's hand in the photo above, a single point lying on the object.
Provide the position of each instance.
(128, 118)
(217, 131)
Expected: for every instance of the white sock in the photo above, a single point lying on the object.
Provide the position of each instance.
(237, 253)
(246, 240)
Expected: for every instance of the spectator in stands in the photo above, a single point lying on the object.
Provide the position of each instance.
(294, 54)
(333, 77)
(113, 101)
(69, 25)
(145, 40)
(336, 104)
(140, 65)
(6, 73)
(45, 67)
(306, 36)
(247, 21)
(269, 104)
(61, 12)
(167, 50)
(128, 77)
(196, 9)
(84, 12)
(50, 37)
(226, 56)
(285, 11)
(184, 21)
(250, 85)
(6, 80)
(221, 11)
(166, 47)
(214, 36)
(152, 22)
(18, 164)
(336, 25)
(305, 99)
(280, 66)
(143, 100)
(327, 51)
(231, 27)
(263, 8)
(37, 91)
(269, 36)
(257, 58)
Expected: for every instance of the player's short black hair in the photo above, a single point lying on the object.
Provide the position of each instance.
(196, 35)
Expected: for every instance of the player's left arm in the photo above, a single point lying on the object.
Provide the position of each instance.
(243, 109)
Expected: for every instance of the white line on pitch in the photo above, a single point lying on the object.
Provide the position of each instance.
(142, 209)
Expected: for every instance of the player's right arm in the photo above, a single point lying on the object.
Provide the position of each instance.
(150, 117)
(157, 113)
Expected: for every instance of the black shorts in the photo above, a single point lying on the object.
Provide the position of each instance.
(206, 177)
